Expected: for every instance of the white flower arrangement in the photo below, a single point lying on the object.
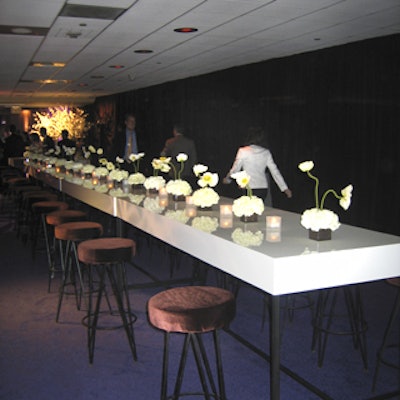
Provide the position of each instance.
(88, 184)
(135, 160)
(76, 166)
(117, 193)
(88, 168)
(319, 218)
(101, 188)
(206, 224)
(246, 206)
(154, 182)
(178, 187)
(247, 238)
(101, 171)
(60, 162)
(206, 196)
(118, 175)
(136, 178)
(177, 215)
(136, 198)
(161, 164)
(153, 205)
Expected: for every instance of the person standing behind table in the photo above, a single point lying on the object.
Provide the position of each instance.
(255, 158)
(66, 142)
(125, 141)
(14, 145)
(179, 143)
(47, 141)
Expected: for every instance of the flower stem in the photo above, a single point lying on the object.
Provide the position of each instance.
(316, 188)
(326, 194)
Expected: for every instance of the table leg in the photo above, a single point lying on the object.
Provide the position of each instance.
(274, 348)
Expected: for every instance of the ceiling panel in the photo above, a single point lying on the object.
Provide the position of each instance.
(229, 33)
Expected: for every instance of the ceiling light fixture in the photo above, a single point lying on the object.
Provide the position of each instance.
(117, 66)
(185, 30)
(41, 64)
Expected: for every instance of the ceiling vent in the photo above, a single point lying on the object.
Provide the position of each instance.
(84, 11)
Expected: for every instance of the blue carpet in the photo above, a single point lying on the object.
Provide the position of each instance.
(42, 359)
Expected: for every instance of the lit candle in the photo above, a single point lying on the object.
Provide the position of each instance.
(273, 236)
(225, 210)
(189, 200)
(162, 192)
(191, 210)
(225, 216)
(273, 222)
(163, 201)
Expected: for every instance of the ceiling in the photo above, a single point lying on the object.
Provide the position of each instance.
(91, 36)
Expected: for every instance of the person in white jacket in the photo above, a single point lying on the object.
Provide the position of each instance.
(254, 158)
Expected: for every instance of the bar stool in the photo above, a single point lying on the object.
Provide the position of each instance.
(385, 345)
(38, 223)
(71, 233)
(25, 215)
(192, 311)
(52, 220)
(328, 321)
(108, 257)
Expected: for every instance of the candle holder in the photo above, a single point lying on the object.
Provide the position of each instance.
(273, 222)
(225, 216)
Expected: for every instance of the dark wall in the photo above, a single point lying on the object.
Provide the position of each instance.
(339, 107)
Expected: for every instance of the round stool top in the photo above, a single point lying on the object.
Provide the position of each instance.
(43, 207)
(191, 309)
(77, 231)
(106, 250)
(394, 281)
(63, 216)
(33, 197)
(27, 188)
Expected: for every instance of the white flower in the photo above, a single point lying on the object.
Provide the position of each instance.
(345, 201)
(206, 224)
(247, 206)
(181, 157)
(316, 219)
(179, 187)
(101, 188)
(118, 175)
(88, 169)
(77, 166)
(134, 157)
(247, 238)
(119, 160)
(242, 178)
(88, 184)
(306, 166)
(154, 182)
(199, 169)
(136, 179)
(60, 162)
(208, 179)
(92, 149)
(99, 151)
(117, 193)
(100, 171)
(110, 166)
(205, 197)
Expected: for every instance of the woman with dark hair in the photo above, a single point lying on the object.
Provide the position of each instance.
(255, 158)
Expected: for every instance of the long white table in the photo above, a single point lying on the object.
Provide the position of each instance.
(293, 264)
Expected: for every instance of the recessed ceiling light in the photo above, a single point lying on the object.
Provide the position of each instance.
(186, 30)
(143, 51)
(117, 66)
(21, 31)
(41, 64)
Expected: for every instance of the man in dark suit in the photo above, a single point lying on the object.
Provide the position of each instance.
(125, 141)
(179, 143)
(14, 145)
(47, 141)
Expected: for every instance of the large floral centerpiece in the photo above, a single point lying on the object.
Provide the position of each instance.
(319, 221)
(206, 196)
(178, 187)
(249, 206)
(136, 178)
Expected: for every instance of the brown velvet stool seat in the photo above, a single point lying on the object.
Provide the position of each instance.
(39, 211)
(107, 257)
(52, 220)
(192, 310)
(72, 233)
(384, 355)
